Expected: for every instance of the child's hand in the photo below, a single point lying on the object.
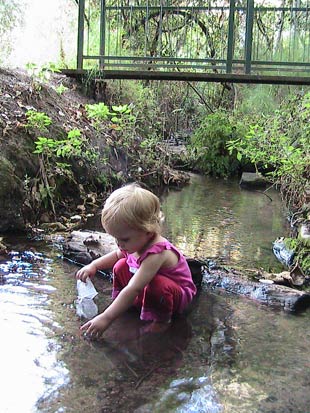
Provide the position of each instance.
(86, 272)
(95, 327)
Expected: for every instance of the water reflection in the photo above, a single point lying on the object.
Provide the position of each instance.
(30, 370)
(119, 370)
(215, 218)
(229, 354)
(269, 370)
(186, 395)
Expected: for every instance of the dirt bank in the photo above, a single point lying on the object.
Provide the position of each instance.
(35, 190)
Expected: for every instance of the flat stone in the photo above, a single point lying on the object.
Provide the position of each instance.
(252, 180)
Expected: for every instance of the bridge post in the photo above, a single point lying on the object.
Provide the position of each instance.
(249, 35)
(80, 42)
(230, 45)
(102, 33)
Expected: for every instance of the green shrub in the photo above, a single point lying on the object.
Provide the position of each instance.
(209, 142)
(37, 120)
(280, 142)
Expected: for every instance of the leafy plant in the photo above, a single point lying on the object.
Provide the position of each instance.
(209, 144)
(281, 143)
(65, 148)
(122, 117)
(51, 152)
(45, 146)
(37, 120)
(72, 145)
(98, 111)
(41, 74)
(61, 89)
(118, 118)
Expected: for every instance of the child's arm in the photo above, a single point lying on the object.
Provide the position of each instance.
(149, 268)
(101, 263)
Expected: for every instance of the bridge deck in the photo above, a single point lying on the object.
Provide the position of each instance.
(101, 75)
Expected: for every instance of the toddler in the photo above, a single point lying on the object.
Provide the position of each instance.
(148, 271)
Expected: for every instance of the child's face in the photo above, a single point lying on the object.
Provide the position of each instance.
(129, 239)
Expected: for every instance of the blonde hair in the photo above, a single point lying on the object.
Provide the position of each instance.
(134, 206)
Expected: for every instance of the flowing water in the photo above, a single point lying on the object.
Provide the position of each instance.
(229, 354)
(213, 218)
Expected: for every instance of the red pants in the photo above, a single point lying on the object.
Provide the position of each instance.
(158, 301)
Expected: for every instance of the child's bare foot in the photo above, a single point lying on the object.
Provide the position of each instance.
(156, 327)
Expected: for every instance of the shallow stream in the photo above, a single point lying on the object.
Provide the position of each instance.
(228, 355)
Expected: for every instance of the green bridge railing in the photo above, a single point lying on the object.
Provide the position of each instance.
(218, 37)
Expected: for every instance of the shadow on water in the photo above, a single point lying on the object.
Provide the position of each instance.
(227, 355)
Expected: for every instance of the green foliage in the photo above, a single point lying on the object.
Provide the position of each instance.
(146, 105)
(41, 74)
(99, 112)
(302, 253)
(257, 100)
(37, 120)
(72, 145)
(11, 12)
(103, 180)
(209, 144)
(120, 116)
(45, 146)
(53, 168)
(65, 148)
(61, 89)
(134, 129)
(280, 142)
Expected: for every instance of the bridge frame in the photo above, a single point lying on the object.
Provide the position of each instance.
(230, 69)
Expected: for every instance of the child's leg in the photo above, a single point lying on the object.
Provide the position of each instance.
(161, 299)
(121, 277)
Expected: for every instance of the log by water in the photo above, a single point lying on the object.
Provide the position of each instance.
(81, 247)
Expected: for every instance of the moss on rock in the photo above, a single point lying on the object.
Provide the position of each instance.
(302, 253)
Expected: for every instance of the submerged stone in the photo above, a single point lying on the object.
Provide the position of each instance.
(252, 180)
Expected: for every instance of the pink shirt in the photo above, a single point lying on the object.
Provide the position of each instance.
(180, 273)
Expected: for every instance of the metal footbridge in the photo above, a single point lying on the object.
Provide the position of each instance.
(244, 41)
